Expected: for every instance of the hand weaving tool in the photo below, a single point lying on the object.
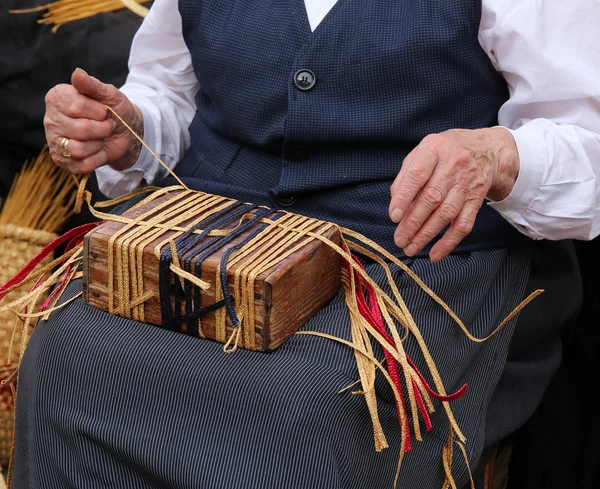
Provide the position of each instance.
(214, 255)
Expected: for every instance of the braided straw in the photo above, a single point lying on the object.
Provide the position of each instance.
(37, 206)
(17, 246)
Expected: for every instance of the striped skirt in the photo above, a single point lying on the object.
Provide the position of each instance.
(110, 402)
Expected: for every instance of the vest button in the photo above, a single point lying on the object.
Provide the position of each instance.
(286, 201)
(305, 79)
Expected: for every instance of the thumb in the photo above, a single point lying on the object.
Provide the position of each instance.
(92, 87)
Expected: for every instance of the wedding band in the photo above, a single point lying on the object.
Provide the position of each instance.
(64, 147)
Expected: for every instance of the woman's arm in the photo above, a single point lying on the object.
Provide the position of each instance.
(162, 84)
(549, 52)
(543, 168)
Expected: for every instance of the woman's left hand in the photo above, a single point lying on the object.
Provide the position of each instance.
(444, 180)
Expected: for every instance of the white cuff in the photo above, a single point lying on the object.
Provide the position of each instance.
(114, 183)
(533, 157)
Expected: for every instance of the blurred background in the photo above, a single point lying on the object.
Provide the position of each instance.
(33, 60)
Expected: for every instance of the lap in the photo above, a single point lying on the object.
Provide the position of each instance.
(108, 400)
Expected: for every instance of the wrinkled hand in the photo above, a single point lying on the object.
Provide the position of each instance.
(78, 112)
(444, 180)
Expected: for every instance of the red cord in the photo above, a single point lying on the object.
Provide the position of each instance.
(372, 314)
(76, 233)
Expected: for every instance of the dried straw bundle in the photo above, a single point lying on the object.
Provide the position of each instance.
(63, 11)
(41, 197)
(38, 205)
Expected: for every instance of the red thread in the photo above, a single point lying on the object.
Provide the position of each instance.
(75, 233)
(75, 241)
(372, 314)
(450, 397)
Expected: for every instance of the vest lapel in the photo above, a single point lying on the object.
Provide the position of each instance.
(300, 21)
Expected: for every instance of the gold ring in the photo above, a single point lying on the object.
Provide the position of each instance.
(64, 147)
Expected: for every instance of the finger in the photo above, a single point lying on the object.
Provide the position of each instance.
(64, 99)
(89, 164)
(58, 158)
(82, 107)
(95, 89)
(447, 211)
(403, 167)
(460, 227)
(426, 202)
(416, 174)
(83, 166)
(83, 129)
(82, 149)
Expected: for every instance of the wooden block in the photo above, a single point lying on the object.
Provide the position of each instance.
(286, 295)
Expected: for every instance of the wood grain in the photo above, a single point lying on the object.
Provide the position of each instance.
(286, 295)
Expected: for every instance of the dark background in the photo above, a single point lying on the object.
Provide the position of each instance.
(33, 60)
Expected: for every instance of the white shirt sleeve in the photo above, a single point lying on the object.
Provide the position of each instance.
(163, 85)
(549, 53)
(547, 50)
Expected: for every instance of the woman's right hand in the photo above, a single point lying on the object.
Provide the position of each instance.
(78, 123)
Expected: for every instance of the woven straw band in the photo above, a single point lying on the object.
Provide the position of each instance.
(24, 238)
(17, 246)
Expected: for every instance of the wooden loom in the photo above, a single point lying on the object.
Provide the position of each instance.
(287, 279)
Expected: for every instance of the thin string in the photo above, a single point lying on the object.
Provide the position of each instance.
(165, 166)
(190, 207)
(114, 245)
(266, 253)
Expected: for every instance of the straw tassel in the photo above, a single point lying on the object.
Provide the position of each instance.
(64, 11)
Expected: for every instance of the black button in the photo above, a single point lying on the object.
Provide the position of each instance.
(305, 79)
(295, 152)
(286, 201)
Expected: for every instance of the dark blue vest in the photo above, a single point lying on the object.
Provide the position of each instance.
(386, 74)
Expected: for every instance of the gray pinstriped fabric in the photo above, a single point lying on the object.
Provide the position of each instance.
(110, 402)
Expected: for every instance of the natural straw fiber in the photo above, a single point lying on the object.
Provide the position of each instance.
(38, 205)
(64, 11)
(17, 246)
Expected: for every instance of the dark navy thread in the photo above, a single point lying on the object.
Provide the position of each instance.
(183, 244)
(223, 271)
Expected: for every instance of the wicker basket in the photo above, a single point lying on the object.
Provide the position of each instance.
(18, 245)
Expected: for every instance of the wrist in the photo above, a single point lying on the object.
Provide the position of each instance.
(134, 146)
(507, 164)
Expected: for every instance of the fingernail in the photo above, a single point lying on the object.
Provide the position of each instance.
(400, 242)
(396, 215)
(436, 256)
(81, 69)
(410, 250)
